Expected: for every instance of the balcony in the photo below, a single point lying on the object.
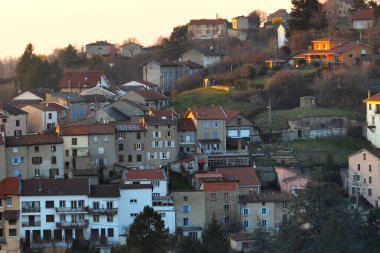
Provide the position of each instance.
(80, 209)
(162, 201)
(72, 224)
(31, 223)
(227, 152)
(31, 209)
(103, 210)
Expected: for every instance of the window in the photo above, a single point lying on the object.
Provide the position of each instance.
(169, 144)
(109, 218)
(226, 208)
(206, 124)
(213, 196)
(67, 152)
(169, 135)
(133, 214)
(358, 167)
(95, 140)
(36, 160)
(369, 106)
(36, 149)
(74, 141)
(109, 205)
(138, 136)
(155, 194)
(215, 124)
(156, 134)
(364, 156)
(138, 146)
(9, 201)
(226, 219)
(62, 203)
(121, 147)
(120, 135)
(226, 196)
(49, 218)
(81, 203)
(133, 201)
(263, 223)
(284, 204)
(50, 115)
(53, 173)
(17, 123)
(186, 222)
(246, 224)
(184, 198)
(370, 167)
(53, 160)
(95, 205)
(156, 144)
(285, 217)
(369, 191)
(186, 209)
(130, 158)
(95, 218)
(264, 211)
(193, 234)
(12, 222)
(1, 203)
(49, 204)
(12, 232)
(121, 158)
(246, 211)
(370, 179)
(110, 232)
(53, 148)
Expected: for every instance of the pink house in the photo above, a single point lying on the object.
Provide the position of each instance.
(290, 179)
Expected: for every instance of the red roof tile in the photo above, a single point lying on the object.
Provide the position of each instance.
(214, 186)
(87, 130)
(50, 107)
(186, 160)
(231, 114)
(205, 113)
(246, 175)
(375, 98)
(140, 174)
(9, 186)
(363, 14)
(168, 113)
(209, 175)
(186, 125)
(267, 196)
(83, 79)
(33, 139)
(207, 21)
(151, 94)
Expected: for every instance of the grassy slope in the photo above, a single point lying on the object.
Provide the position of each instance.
(207, 97)
(280, 118)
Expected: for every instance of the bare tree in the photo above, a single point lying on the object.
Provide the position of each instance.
(132, 46)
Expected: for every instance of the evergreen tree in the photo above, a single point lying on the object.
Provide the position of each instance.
(147, 234)
(23, 69)
(306, 14)
(357, 4)
(189, 244)
(213, 239)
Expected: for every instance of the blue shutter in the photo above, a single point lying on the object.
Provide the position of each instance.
(181, 222)
(189, 222)
(189, 208)
(249, 211)
(181, 209)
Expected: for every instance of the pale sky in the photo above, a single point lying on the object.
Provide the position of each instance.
(50, 24)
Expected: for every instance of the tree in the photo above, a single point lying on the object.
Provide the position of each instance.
(179, 35)
(285, 88)
(357, 4)
(67, 55)
(213, 239)
(256, 17)
(248, 71)
(189, 244)
(147, 233)
(306, 14)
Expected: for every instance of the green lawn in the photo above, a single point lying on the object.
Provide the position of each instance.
(207, 97)
(280, 117)
(318, 149)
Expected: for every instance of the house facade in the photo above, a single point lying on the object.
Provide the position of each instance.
(240, 22)
(100, 48)
(372, 116)
(240, 131)
(205, 29)
(363, 18)
(35, 156)
(10, 215)
(14, 121)
(203, 56)
(291, 180)
(149, 98)
(130, 49)
(76, 104)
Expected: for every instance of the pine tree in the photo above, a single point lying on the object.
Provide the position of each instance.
(213, 239)
(147, 234)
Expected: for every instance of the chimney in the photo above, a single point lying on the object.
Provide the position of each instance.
(369, 93)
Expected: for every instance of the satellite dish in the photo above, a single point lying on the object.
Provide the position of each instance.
(16, 173)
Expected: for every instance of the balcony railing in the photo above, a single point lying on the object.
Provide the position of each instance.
(31, 209)
(226, 152)
(103, 210)
(81, 209)
(31, 223)
(72, 224)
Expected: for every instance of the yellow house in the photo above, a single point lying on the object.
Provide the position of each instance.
(9, 210)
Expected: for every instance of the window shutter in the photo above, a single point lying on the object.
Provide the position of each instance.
(160, 144)
(159, 134)
(166, 144)
(181, 209)
(168, 155)
(142, 146)
(249, 223)
(189, 221)
(153, 144)
(260, 211)
(105, 161)
(172, 144)
(18, 161)
(12, 161)
(249, 211)
(189, 208)
(148, 155)
(182, 222)
(135, 146)
(267, 210)
(241, 211)
(160, 155)
(154, 133)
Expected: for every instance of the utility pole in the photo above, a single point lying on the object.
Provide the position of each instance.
(270, 121)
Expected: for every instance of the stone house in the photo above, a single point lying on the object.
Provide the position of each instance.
(100, 48)
(204, 56)
(187, 137)
(9, 212)
(76, 104)
(363, 18)
(240, 22)
(241, 131)
(35, 156)
(121, 110)
(205, 29)
(13, 121)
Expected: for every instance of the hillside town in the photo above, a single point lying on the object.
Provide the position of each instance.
(250, 134)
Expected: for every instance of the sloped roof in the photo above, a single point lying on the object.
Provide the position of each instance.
(207, 21)
(115, 113)
(9, 186)
(246, 175)
(209, 52)
(147, 83)
(70, 96)
(374, 98)
(186, 125)
(331, 38)
(100, 43)
(141, 174)
(82, 79)
(232, 114)
(206, 113)
(363, 14)
(168, 62)
(3, 116)
(164, 113)
(151, 95)
(97, 129)
(13, 110)
(214, 186)
(267, 196)
(55, 187)
(209, 175)
(33, 139)
(96, 98)
(50, 107)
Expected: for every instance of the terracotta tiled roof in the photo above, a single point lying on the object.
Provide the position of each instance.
(363, 14)
(206, 113)
(151, 95)
(214, 186)
(207, 21)
(209, 175)
(231, 114)
(50, 107)
(266, 196)
(9, 186)
(82, 79)
(33, 139)
(186, 125)
(246, 175)
(331, 38)
(168, 113)
(374, 98)
(55, 187)
(87, 130)
(186, 160)
(141, 174)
